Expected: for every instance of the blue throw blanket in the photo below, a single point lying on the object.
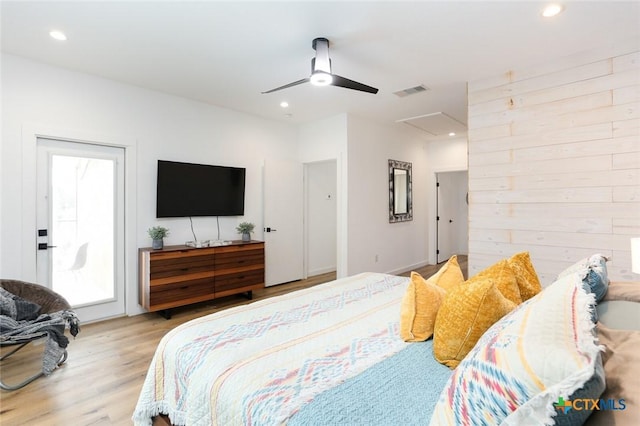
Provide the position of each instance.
(400, 390)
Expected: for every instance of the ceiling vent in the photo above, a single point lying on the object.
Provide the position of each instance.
(436, 124)
(411, 91)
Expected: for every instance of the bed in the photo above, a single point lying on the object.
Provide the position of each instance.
(332, 354)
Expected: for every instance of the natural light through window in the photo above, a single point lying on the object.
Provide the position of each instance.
(82, 228)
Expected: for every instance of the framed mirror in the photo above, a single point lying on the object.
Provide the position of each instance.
(400, 204)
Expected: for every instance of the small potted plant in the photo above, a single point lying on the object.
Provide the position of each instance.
(157, 233)
(245, 228)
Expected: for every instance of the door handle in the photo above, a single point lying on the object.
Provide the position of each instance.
(44, 246)
(450, 220)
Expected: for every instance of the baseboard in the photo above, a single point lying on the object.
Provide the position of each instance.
(320, 271)
(408, 268)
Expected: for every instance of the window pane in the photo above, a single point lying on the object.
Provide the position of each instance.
(82, 228)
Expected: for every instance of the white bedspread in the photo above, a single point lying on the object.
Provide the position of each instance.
(259, 363)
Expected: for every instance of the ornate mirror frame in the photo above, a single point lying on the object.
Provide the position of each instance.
(400, 194)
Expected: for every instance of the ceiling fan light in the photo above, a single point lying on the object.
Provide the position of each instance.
(320, 78)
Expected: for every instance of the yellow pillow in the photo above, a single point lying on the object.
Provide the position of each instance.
(449, 276)
(419, 307)
(505, 279)
(465, 314)
(526, 275)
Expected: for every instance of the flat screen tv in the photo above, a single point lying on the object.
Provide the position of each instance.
(186, 189)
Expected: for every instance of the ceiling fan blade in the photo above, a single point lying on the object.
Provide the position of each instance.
(286, 86)
(350, 84)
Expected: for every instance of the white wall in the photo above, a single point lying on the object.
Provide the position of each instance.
(153, 125)
(362, 149)
(324, 139)
(396, 246)
(554, 162)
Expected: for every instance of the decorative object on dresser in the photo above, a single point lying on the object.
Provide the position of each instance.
(157, 234)
(245, 228)
(180, 275)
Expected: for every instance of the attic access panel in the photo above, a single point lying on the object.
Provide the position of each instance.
(436, 124)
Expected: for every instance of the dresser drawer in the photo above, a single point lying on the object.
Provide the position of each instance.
(251, 279)
(161, 267)
(239, 259)
(180, 293)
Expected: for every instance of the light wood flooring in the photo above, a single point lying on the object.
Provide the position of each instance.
(100, 382)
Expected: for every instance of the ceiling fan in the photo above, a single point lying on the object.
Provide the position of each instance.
(321, 72)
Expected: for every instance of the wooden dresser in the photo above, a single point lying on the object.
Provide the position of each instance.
(180, 275)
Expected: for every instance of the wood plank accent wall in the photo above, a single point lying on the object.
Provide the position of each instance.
(554, 164)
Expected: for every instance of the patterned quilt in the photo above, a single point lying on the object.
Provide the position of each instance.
(260, 363)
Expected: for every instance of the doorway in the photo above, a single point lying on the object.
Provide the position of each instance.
(452, 212)
(80, 225)
(321, 216)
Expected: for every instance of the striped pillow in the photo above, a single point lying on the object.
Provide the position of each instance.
(543, 350)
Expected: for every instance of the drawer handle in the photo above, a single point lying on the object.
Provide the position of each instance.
(184, 269)
(184, 287)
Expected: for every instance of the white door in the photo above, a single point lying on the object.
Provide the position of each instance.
(80, 225)
(452, 212)
(283, 221)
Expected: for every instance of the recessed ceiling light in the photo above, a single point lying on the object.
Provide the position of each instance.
(552, 10)
(284, 104)
(58, 35)
(452, 134)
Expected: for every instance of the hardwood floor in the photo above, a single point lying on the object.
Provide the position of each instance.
(100, 382)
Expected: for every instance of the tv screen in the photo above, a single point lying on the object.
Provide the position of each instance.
(186, 189)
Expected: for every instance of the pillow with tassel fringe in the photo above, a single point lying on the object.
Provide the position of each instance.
(528, 364)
